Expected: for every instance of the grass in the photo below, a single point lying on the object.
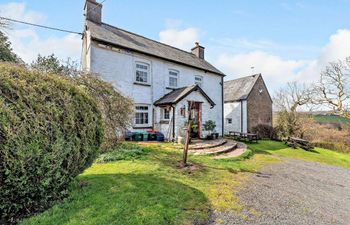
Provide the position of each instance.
(152, 189)
(146, 186)
(318, 155)
(331, 119)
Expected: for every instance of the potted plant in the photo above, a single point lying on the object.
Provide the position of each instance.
(209, 126)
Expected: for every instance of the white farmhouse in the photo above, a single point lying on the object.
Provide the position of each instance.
(164, 82)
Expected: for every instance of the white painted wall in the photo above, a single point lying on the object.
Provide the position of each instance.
(235, 111)
(117, 66)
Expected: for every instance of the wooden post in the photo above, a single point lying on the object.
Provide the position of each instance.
(188, 131)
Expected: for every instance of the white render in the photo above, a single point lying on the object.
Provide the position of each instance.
(117, 66)
(237, 112)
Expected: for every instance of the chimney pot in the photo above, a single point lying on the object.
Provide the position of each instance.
(198, 50)
(93, 11)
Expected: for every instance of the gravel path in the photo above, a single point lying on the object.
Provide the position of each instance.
(293, 192)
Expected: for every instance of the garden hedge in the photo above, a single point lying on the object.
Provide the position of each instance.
(50, 132)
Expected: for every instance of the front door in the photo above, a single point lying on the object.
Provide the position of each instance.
(196, 117)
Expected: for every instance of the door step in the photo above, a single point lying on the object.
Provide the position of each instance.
(228, 146)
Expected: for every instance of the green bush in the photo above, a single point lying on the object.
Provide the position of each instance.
(50, 132)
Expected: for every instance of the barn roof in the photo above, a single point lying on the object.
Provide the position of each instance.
(178, 94)
(125, 39)
(239, 89)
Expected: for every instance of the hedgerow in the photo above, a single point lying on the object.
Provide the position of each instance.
(50, 132)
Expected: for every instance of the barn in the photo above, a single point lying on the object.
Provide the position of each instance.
(247, 104)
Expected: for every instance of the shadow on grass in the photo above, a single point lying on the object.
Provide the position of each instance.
(128, 199)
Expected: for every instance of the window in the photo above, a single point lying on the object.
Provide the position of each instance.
(166, 113)
(142, 72)
(198, 80)
(173, 77)
(141, 115)
(229, 121)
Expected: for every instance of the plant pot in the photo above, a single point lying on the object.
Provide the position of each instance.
(210, 137)
(216, 135)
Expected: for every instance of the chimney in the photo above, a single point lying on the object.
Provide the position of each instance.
(198, 51)
(93, 11)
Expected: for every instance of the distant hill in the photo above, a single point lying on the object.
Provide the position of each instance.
(331, 119)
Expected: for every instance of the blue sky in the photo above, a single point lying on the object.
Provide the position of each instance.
(285, 40)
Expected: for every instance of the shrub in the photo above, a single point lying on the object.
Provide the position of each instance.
(265, 131)
(116, 110)
(50, 132)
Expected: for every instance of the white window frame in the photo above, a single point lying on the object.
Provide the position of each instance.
(200, 84)
(164, 113)
(142, 70)
(141, 108)
(228, 120)
(173, 76)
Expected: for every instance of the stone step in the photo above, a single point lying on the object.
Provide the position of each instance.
(225, 148)
(241, 148)
(207, 144)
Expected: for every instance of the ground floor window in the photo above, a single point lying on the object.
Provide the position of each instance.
(141, 115)
(166, 114)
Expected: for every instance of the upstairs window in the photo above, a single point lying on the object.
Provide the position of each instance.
(142, 72)
(198, 80)
(173, 78)
(141, 115)
(229, 121)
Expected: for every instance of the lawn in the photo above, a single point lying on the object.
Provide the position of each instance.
(152, 189)
(142, 184)
(318, 155)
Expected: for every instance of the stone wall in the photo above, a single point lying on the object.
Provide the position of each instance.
(259, 106)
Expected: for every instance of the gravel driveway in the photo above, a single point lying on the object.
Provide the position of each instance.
(293, 192)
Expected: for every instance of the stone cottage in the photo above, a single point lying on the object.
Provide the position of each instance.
(166, 83)
(247, 103)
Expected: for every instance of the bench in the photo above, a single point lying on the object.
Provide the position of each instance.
(294, 142)
(244, 136)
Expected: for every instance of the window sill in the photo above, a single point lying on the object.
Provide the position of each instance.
(142, 84)
(171, 88)
(142, 127)
(164, 121)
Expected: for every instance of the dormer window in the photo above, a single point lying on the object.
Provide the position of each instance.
(173, 78)
(142, 72)
(198, 80)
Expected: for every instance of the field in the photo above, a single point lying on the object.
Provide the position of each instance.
(323, 119)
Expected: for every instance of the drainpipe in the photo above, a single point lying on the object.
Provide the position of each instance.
(173, 108)
(241, 116)
(222, 106)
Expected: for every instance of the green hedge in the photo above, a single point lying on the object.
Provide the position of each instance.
(50, 132)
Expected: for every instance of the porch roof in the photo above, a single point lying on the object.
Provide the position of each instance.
(178, 94)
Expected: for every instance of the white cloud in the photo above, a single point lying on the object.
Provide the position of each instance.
(175, 36)
(18, 11)
(276, 70)
(26, 41)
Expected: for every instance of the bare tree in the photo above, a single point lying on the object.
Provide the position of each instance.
(293, 96)
(333, 89)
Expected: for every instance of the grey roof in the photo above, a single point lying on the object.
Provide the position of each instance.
(178, 94)
(239, 89)
(125, 39)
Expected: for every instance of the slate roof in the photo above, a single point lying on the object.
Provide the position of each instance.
(178, 94)
(125, 39)
(239, 89)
